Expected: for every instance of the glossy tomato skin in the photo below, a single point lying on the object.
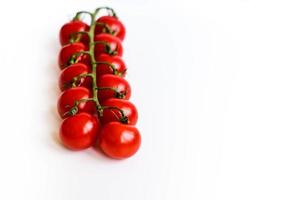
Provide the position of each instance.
(114, 43)
(68, 98)
(74, 26)
(117, 61)
(68, 51)
(72, 71)
(118, 140)
(79, 131)
(112, 81)
(113, 115)
(114, 24)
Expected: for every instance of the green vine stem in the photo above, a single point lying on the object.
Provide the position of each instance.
(93, 60)
(73, 110)
(78, 14)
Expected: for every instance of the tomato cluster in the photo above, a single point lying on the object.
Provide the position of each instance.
(94, 103)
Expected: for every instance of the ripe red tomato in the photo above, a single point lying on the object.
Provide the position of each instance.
(116, 26)
(72, 71)
(114, 82)
(106, 69)
(70, 28)
(118, 140)
(111, 115)
(113, 45)
(68, 98)
(79, 131)
(68, 51)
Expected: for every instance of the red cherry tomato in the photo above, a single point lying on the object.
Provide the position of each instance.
(115, 25)
(72, 71)
(79, 131)
(110, 45)
(68, 98)
(118, 140)
(111, 115)
(69, 29)
(67, 51)
(117, 83)
(116, 61)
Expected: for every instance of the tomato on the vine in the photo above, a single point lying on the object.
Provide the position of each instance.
(70, 29)
(69, 97)
(111, 25)
(111, 86)
(66, 55)
(110, 114)
(69, 73)
(108, 44)
(94, 91)
(79, 131)
(119, 140)
(110, 65)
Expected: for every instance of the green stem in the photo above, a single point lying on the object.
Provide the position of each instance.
(77, 16)
(91, 53)
(93, 60)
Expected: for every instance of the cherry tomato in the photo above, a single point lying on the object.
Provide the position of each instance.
(68, 98)
(69, 29)
(115, 25)
(110, 114)
(69, 73)
(116, 61)
(110, 45)
(111, 86)
(67, 51)
(118, 140)
(79, 131)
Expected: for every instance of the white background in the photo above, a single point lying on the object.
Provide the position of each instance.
(216, 84)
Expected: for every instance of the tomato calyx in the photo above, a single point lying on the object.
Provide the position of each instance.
(76, 56)
(75, 37)
(77, 80)
(112, 66)
(107, 48)
(123, 119)
(74, 109)
(106, 28)
(117, 94)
